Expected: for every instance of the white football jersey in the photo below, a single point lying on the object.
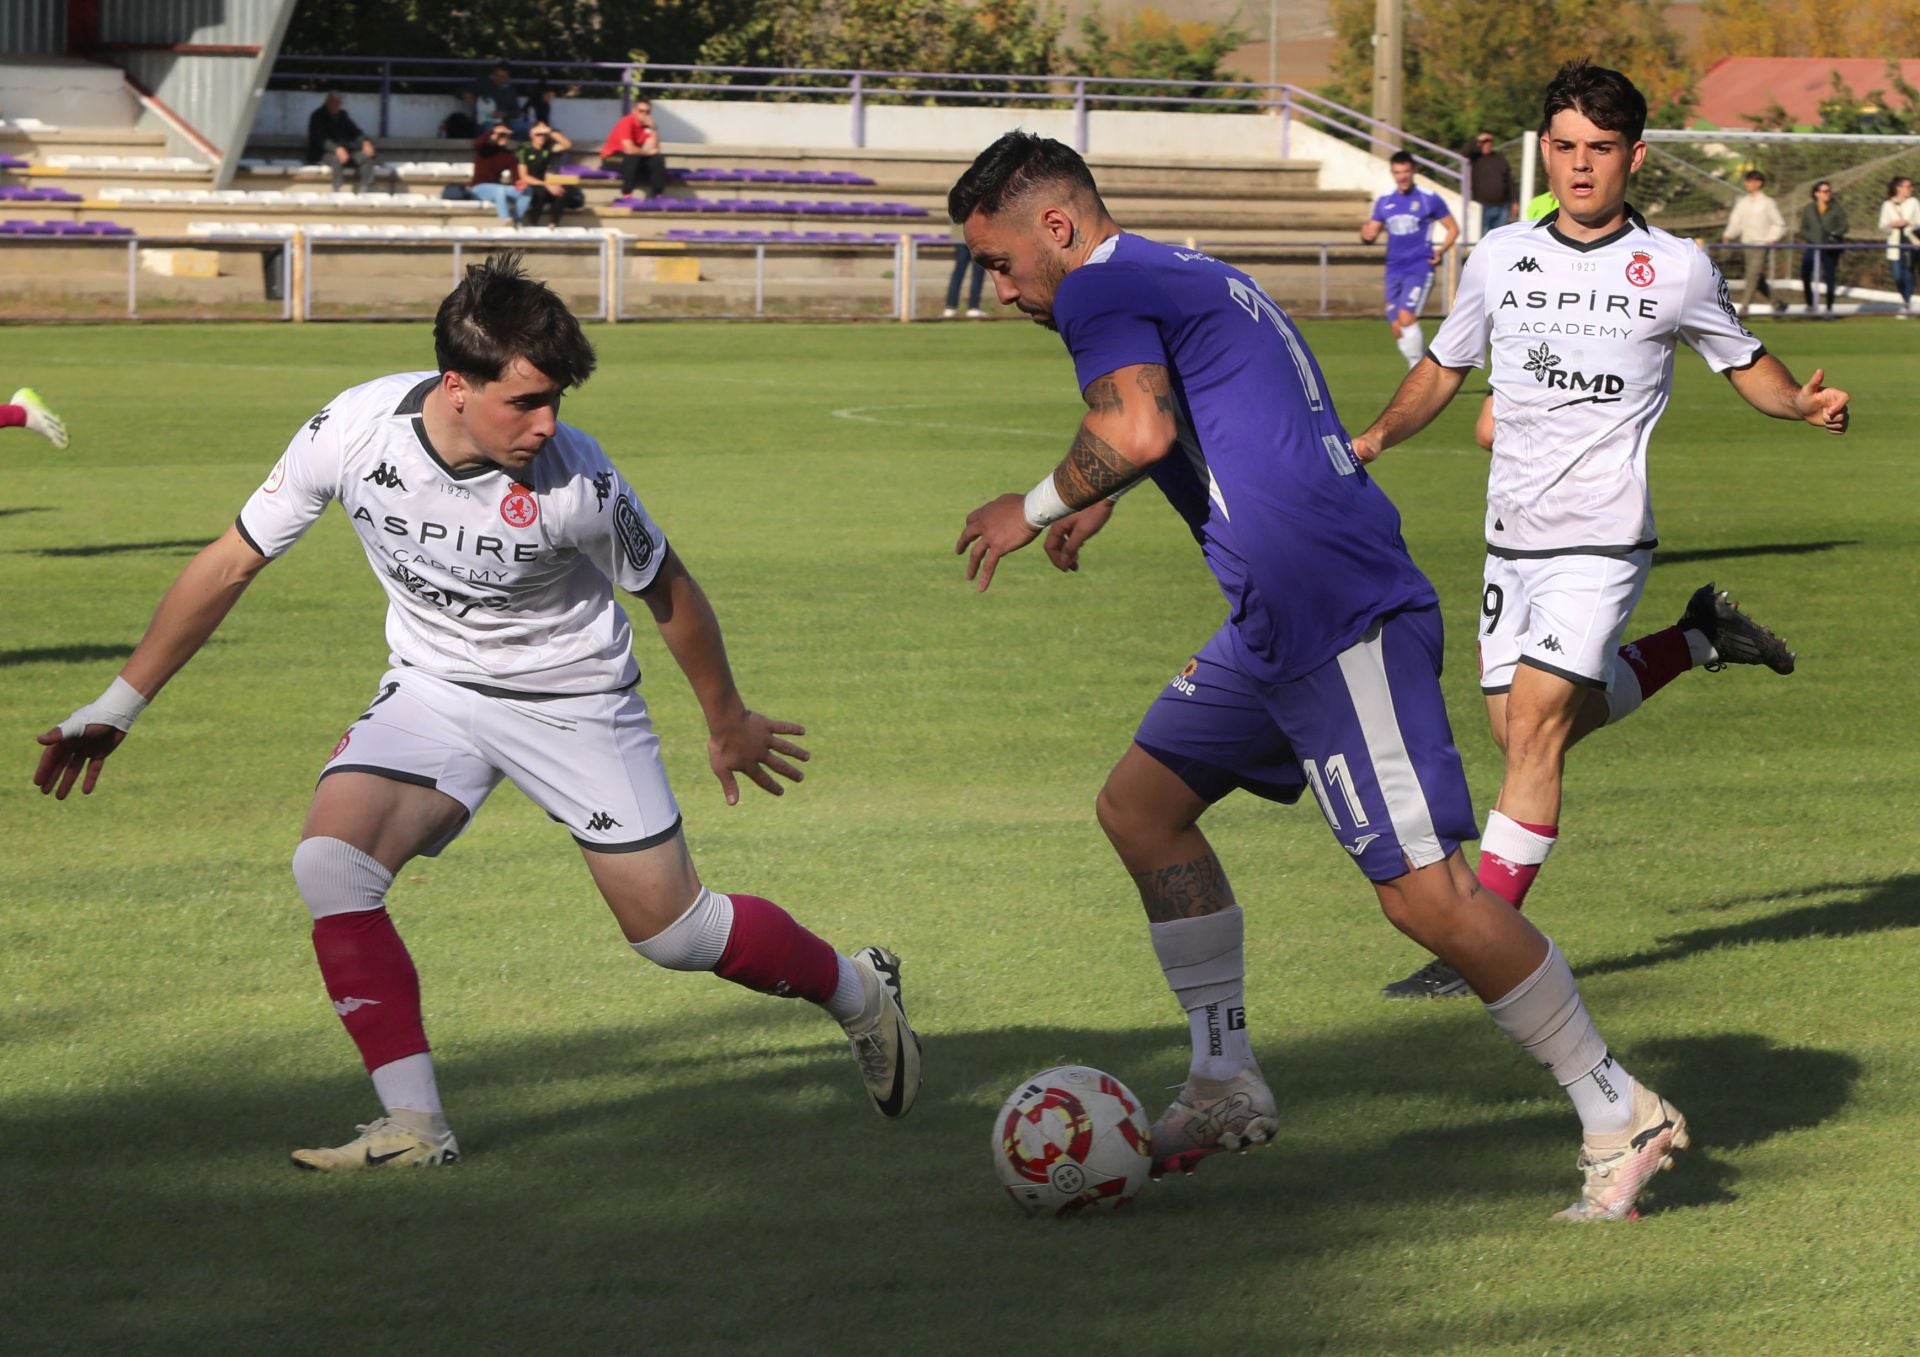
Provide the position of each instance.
(1582, 335)
(498, 583)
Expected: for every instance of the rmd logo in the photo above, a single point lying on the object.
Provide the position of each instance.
(1604, 388)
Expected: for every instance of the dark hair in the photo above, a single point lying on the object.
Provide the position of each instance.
(1819, 184)
(1400, 158)
(497, 314)
(1755, 174)
(501, 66)
(1014, 166)
(1897, 181)
(1604, 97)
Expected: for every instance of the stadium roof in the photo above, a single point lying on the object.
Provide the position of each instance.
(1736, 90)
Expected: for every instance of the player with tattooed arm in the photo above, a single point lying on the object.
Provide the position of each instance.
(1325, 675)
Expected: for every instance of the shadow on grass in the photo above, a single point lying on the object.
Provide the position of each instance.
(26, 509)
(63, 655)
(677, 1191)
(115, 548)
(1883, 905)
(1757, 549)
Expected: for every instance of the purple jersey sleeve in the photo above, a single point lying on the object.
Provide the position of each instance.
(1109, 321)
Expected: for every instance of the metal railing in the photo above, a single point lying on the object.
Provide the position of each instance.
(856, 88)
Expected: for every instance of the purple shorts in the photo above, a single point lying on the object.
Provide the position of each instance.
(1367, 732)
(1407, 289)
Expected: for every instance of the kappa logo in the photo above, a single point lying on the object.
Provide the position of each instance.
(602, 487)
(602, 821)
(313, 425)
(385, 477)
(1552, 642)
(351, 1005)
(1359, 845)
(1526, 263)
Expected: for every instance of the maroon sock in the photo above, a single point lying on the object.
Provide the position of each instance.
(1658, 660)
(769, 951)
(1509, 862)
(372, 983)
(13, 416)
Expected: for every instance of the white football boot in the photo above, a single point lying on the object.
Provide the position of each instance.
(1212, 1115)
(386, 1142)
(886, 1048)
(1617, 1166)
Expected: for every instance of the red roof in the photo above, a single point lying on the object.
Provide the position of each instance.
(1735, 90)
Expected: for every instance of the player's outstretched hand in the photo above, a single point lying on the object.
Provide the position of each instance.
(1824, 407)
(756, 746)
(1068, 535)
(63, 757)
(997, 527)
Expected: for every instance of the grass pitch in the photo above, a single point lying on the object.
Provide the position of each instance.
(663, 1163)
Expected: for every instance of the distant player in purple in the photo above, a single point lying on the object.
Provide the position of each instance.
(1407, 216)
(1326, 673)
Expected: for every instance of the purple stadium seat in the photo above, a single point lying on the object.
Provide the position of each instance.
(12, 162)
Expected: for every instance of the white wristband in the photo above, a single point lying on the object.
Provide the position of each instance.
(1044, 504)
(116, 707)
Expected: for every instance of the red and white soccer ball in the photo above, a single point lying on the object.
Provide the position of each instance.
(1071, 1138)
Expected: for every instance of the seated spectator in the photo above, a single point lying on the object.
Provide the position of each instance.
(335, 140)
(464, 122)
(499, 100)
(497, 176)
(539, 105)
(635, 143)
(537, 166)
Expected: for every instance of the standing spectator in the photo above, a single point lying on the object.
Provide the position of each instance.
(536, 170)
(1756, 222)
(962, 257)
(1493, 186)
(498, 176)
(1900, 219)
(1823, 226)
(635, 142)
(539, 106)
(463, 124)
(335, 140)
(499, 100)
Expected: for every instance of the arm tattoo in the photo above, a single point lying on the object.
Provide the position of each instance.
(1092, 470)
(1103, 396)
(1153, 381)
(1188, 890)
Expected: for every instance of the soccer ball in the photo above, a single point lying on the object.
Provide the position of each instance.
(1070, 1138)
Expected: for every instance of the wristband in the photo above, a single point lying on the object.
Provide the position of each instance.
(1044, 504)
(116, 707)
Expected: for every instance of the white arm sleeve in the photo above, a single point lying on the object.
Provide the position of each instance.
(1461, 341)
(618, 535)
(297, 490)
(1709, 321)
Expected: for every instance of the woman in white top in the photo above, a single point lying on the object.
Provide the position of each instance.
(1900, 219)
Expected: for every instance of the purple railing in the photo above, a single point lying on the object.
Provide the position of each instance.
(857, 88)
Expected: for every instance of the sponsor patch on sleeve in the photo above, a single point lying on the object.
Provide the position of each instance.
(635, 540)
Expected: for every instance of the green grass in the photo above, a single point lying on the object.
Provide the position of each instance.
(663, 1163)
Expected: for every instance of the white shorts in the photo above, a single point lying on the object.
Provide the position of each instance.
(1564, 614)
(592, 763)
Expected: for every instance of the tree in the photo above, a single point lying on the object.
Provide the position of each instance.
(1811, 28)
(1474, 64)
(1150, 46)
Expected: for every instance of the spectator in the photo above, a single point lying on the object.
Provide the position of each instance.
(1756, 223)
(335, 140)
(499, 100)
(635, 142)
(536, 170)
(1493, 186)
(498, 177)
(464, 122)
(539, 106)
(962, 257)
(1823, 227)
(1900, 219)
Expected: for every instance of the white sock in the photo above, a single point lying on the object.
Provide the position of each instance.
(1699, 648)
(1623, 690)
(695, 940)
(408, 1084)
(849, 1001)
(1411, 344)
(1544, 1013)
(1204, 960)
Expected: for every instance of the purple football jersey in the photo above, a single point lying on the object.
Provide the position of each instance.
(1305, 546)
(1408, 217)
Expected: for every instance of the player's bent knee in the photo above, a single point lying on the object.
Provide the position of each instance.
(697, 939)
(334, 877)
